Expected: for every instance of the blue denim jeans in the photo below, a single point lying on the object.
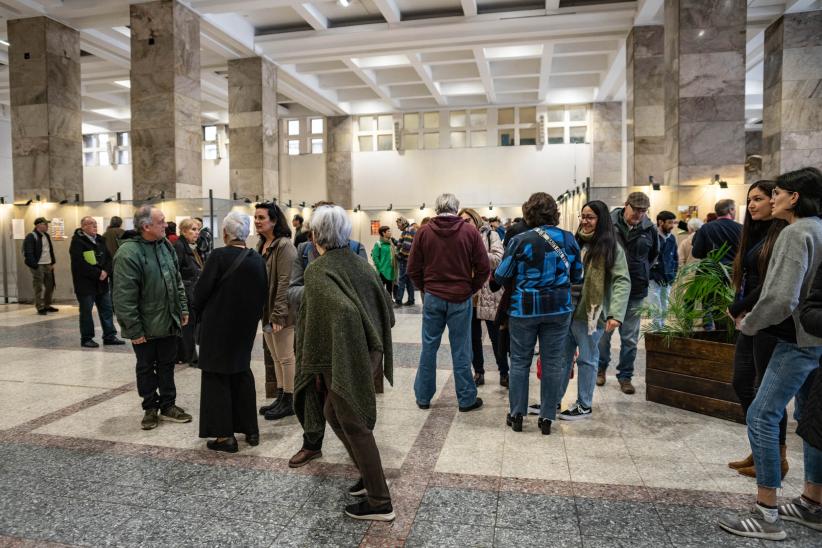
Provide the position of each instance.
(587, 360)
(438, 313)
(789, 374)
(658, 295)
(628, 335)
(104, 311)
(551, 331)
(403, 283)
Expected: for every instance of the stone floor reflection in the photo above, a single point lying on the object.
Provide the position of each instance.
(75, 468)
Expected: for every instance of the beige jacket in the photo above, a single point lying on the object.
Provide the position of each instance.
(279, 259)
(487, 301)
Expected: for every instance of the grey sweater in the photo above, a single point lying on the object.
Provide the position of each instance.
(796, 256)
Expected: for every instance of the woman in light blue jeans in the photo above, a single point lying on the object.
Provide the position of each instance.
(601, 302)
(797, 255)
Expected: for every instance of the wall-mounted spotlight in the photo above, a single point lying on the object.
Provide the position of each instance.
(162, 194)
(63, 201)
(2, 200)
(29, 201)
(717, 180)
(289, 204)
(302, 204)
(654, 184)
(112, 198)
(358, 208)
(490, 206)
(241, 198)
(390, 207)
(422, 206)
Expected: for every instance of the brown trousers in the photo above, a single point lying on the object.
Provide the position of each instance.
(43, 282)
(359, 442)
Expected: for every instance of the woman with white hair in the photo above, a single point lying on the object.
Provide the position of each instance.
(348, 315)
(228, 300)
(686, 245)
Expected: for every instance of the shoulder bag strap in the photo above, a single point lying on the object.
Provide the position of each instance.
(234, 266)
(558, 250)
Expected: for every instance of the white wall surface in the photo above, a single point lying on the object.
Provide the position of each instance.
(302, 178)
(502, 175)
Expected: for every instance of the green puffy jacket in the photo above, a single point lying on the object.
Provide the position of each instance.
(149, 297)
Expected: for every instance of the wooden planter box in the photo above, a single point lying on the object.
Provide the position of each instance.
(693, 374)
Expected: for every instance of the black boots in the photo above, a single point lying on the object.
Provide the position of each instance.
(283, 407)
(271, 405)
(545, 426)
(514, 422)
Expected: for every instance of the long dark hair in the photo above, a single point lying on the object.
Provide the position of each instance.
(605, 241)
(281, 228)
(754, 231)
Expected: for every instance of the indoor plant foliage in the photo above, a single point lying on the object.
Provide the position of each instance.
(702, 289)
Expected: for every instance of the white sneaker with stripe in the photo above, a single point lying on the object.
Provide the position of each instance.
(801, 511)
(754, 525)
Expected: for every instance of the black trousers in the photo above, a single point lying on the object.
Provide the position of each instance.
(389, 285)
(155, 372)
(750, 362)
(186, 347)
(227, 404)
(478, 359)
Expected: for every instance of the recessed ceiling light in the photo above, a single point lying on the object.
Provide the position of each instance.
(513, 52)
(381, 61)
(344, 3)
(124, 83)
(4, 43)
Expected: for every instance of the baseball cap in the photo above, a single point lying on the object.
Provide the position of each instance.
(639, 200)
(39, 220)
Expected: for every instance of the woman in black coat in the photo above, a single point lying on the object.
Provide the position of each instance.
(229, 300)
(191, 265)
(810, 423)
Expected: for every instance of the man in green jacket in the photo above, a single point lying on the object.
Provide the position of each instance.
(385, 259)
(151, 307)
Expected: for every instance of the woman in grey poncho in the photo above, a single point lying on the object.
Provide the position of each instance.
(347, 312)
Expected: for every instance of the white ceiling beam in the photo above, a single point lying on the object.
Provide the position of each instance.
(234, 6)
(389, 10)
(614, 79)
(649, 12)
(485, 74)
(551, 5)
(797, 6)
(425, 75)
(469, 8)
(305, 90)
(466, 32)
(312, 15)
(545, 70)
(370, 80)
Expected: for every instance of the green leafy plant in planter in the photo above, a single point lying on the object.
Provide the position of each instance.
(702, 292)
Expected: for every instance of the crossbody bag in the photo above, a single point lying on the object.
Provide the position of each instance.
(558, 250)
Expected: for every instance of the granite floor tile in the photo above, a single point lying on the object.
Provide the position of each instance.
(556, 515)
(296, 537)
(273, 488)
(619, 519)
(516, 538)
(695, 526)
(224, 532)
(610, 542)
(458, 506)
(426, 534)
(315, 518)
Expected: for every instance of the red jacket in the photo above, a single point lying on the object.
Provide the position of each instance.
(448, 259)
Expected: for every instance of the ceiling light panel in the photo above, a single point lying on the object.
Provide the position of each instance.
(522, 67)
(461, 71)
(381, 61)
(513, 52)
(462, 88)
(397, 76)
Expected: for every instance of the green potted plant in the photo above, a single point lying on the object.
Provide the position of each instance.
(688, 366)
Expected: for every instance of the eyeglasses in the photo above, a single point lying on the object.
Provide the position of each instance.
(639, 210)
(588, 217)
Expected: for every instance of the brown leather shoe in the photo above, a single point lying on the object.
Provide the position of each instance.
(600, 377)
(750, 471)
(744, 463)
(303, 457)
(626, 386)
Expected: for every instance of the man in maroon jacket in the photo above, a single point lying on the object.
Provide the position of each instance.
(448, 263)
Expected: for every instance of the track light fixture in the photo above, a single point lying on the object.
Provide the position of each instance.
(289, 204)
(2, 200)
(422, 206)
(718, 180)
(490, 206)
(112, 198)
(29, 201)
(390, 207)
(63, 201)
(302, 204)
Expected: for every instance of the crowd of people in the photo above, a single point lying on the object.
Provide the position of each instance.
(326, 317)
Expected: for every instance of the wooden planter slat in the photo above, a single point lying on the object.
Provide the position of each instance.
(692, 374)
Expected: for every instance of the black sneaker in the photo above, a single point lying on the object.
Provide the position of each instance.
(514, 422)
(51, 309)
(476, 405)
(150, 419)
(412, 303)
(575, 413)
(363, 510)
(533, 409)
(114, 341)
(89, 344)
(503, 380)
(42, 312)
(358, 489)
(175, 414)
(545, 426)
(479, 379)
(424, 406)
(229, 445)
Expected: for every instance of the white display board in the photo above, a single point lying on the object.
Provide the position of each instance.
(18, 229)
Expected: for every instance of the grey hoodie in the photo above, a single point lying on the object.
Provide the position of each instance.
(796, 256)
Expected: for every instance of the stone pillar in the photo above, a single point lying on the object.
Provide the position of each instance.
(704, 91)
(606, 166)
(46, 118)
(166, 132)
(645, 104)
(252, 128)
(338, 161)
(753, 156)
(792, 117)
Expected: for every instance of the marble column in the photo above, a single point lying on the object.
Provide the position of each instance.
(704, 91)
(753, 156)
(46, 118)
(252, 128)
(338, 178)
(166, 131)
(606, 150)
(645, 104)
(792, 117)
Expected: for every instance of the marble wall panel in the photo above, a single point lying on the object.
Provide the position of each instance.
(645, 103)
(712, 108)
(44, 82)
(698, 143)
(607, 144)
(338, 160)
(721, 73)
(165, 99)
(702, 175)
(803, 30)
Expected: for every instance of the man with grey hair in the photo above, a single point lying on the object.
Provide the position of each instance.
(449, 264)
(724, 230)
(90, 273)
(151, 307)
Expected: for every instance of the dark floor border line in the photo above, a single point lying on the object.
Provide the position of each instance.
(16, 542)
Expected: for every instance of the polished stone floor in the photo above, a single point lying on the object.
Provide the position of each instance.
(75, 468)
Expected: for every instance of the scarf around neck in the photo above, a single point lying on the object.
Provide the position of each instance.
(591, 301)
